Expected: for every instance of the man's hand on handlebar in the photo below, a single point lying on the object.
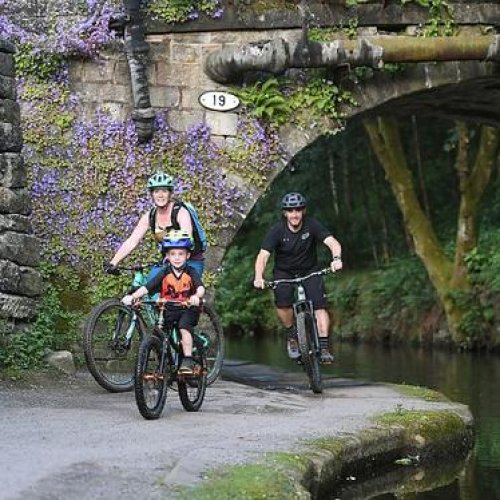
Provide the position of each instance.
(259, 283)
(336, 264)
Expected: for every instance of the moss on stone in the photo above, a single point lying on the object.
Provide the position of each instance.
(422, 427)
(277, 477)
(420, 392)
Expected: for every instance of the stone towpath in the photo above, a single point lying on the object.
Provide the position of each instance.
(69, 439)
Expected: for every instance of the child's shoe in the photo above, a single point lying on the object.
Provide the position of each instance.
(187, 366)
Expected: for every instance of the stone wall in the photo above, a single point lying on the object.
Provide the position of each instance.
(20, 282)
(176, 80)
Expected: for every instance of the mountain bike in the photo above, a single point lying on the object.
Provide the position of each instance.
(307, 328)
(158, 361)
(113, 332)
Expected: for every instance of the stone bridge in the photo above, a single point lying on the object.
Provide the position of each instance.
(463, 84)
(467, 88)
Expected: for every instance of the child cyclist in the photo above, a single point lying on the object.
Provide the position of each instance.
(176, 282)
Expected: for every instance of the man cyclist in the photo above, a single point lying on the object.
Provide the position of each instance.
(163, 217)
(294, 241)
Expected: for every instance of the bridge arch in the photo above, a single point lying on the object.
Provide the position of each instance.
(467, 90)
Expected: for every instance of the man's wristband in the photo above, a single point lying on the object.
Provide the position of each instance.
(335, 257)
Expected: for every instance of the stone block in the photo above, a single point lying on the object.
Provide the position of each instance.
(98, 72)
(159, 51)
(122, 73)
(11, 138)
(16, 223)
(23, 249)
(7, 87)
(117, 110)
(14, 201)
(164, 97)
(19, 280)
(6, 64)
(185, 53)
(62, 360)
(182, 75)
(213, 258)
(102, 93)
(16, 307)
(9, 111)
(7, 47)
(12, 170)
(181, 121)
(222, 123)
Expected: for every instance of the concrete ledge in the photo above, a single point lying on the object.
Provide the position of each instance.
(412, 442)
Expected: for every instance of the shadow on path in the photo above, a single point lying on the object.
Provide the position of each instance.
(276, 379)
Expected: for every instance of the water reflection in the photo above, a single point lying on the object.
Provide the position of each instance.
(468, 378)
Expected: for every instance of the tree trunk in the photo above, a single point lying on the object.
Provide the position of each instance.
(472, 186)
(386, 142)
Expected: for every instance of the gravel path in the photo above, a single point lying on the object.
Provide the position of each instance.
(69, 439)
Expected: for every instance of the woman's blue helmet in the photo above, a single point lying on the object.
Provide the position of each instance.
(161, 180)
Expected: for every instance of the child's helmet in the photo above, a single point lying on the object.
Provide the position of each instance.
(176, 239)
(161, 180)
(293, 200)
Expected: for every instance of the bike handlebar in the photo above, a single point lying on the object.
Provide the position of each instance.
(161, 303)
(138, 267)
(273, 284)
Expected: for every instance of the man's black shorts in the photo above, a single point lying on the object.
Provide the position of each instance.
(187, 318)
(284, 294)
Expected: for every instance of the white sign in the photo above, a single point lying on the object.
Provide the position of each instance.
(219, 100)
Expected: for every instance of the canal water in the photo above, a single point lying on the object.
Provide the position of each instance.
(472, 379)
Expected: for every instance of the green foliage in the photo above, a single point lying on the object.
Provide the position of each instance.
(241, 307)
(55, 328)
(385, 302)
(321, 98)
(180, 11)
(280, 101)
(440, 21)
(36, 64)
(266, 100)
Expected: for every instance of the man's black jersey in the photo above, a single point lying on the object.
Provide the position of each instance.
(295, 252)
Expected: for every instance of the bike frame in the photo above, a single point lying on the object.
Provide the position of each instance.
(171, 337)
(302, 303)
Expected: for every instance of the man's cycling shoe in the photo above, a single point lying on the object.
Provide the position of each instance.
(326, 357)
(292, 346)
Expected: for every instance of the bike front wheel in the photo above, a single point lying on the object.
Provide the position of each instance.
(308, 353)
(111, 337)
(150, 379)
(209, 326)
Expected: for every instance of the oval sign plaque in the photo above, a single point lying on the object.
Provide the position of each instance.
(219, 100)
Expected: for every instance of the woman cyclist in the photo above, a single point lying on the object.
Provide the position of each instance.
(163, 217)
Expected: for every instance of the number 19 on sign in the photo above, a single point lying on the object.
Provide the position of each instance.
(218, 100)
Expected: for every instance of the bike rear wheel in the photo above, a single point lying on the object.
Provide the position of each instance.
(309, 356)
(209, 326)
(150, 379)
(111, 337)
(192, 389)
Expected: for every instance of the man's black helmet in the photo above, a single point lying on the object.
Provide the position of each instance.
(293, 200)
